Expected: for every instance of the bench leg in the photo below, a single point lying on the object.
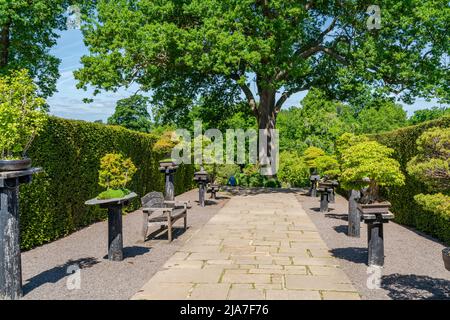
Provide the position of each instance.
(185, 222)
(145, 225)
(169, 229)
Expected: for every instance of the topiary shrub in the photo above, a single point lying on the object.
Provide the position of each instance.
(406, 210)
(438, 208)
(431, 165)
(432, 162)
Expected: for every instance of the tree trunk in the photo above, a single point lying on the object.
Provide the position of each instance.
(266, 121)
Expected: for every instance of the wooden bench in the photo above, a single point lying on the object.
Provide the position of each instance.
(213, 188)
(157, 211)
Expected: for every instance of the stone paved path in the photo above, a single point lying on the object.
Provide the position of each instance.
(260, 246)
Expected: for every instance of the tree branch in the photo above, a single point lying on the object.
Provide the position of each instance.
(310, 49)
(248, 94)
(287, 94)
(333, 54)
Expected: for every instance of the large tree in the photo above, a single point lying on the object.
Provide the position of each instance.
(268, 49)
(28, 29)
(132, 114)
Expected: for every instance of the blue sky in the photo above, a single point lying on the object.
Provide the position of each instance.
(68, 101)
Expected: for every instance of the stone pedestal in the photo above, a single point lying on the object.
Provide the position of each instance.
(375, 216)
(313, 189)
(324, 198)
(169, 170)
(115, 237)
(354, 216)
(10, 259)
(202, 179)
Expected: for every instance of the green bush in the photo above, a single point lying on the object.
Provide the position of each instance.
(252, 178)
(292, 172)
(225, 171)
(69, 151)
(438, 208)
(406, 210)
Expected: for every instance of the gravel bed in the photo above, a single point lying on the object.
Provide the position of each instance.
(413, 261)
(46, 269)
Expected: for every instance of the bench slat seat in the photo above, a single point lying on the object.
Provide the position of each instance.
(156, 210)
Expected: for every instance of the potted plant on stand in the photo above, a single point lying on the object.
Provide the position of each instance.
(114, 174)
(369, 166)
(22, 118)
(431, 166)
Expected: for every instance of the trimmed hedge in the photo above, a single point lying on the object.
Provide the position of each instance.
(406, 209)
(69, 151)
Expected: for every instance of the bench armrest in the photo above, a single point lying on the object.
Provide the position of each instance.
(186, 204)
(153, 210)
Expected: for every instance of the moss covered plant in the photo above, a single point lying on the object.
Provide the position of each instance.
(115, 173)
(22, 114)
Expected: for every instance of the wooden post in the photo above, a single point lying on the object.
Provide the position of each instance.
(314, 178)
(324, 194)
(354, 216)
(115, 238)
(169, 187)
(375, 243)
(10, 256)
(10, 260)
(332, 196)
(115, 235)
(201, 193)
(375, 215)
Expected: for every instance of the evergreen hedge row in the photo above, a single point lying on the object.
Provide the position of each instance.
(69, 151)
(405, 208)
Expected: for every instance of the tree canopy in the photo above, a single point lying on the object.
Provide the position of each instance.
(423, 115)
(28, 29)
(185, 50)
(132, 114)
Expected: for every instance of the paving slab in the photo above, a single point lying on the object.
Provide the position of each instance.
(258, 246)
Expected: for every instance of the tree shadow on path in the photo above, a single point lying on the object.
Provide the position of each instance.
(415, 287)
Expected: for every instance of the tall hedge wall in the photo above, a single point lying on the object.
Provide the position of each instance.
(69, 151)
(406, 210)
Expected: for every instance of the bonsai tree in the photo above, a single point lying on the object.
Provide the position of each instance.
(347, 140)
(432, 166)
(22, 114)
(369, 165)
(167, 141)
(327, 166)
(115, 173)
(317, 161)
(310, 155)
